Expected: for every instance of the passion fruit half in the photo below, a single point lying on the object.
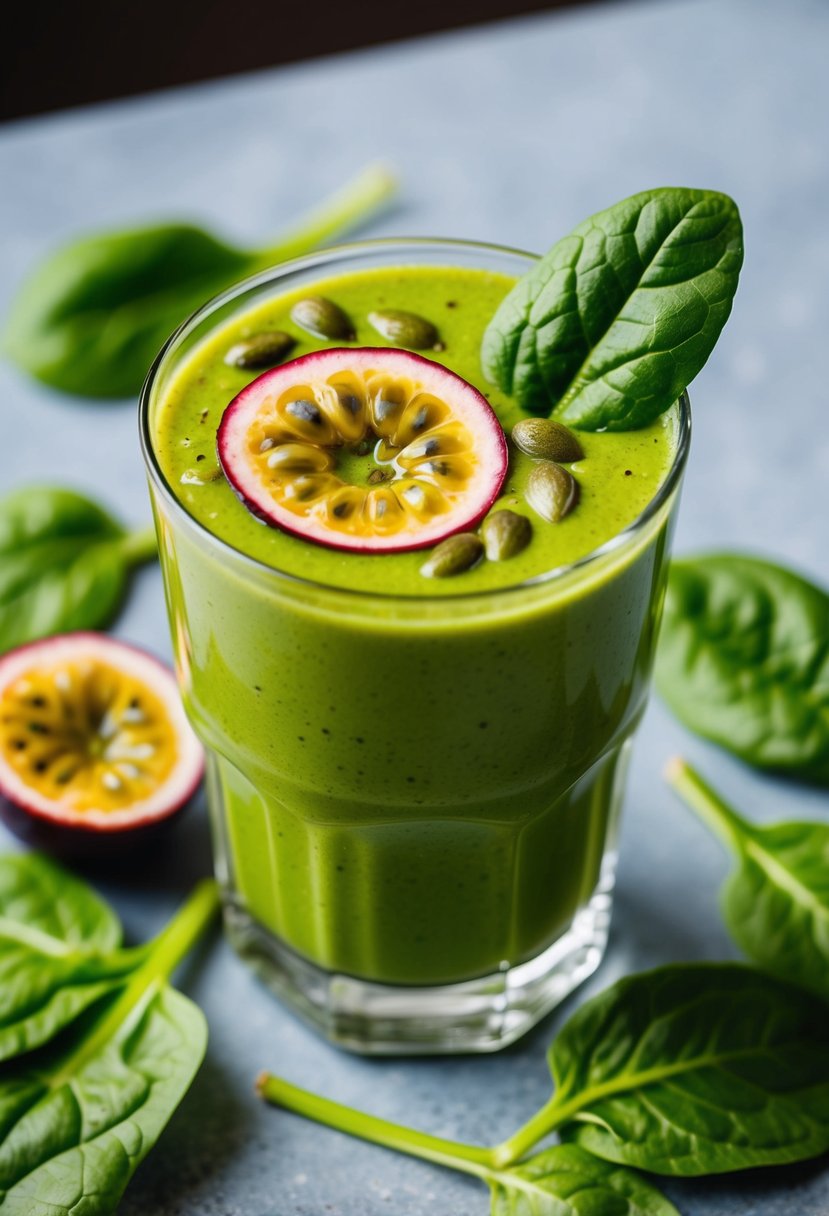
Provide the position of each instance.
(95, 749)
(377, 450)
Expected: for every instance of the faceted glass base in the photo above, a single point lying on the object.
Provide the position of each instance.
(479, 1015)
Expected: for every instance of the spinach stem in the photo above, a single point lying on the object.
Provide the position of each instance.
(167, 950)
(350, 206)
(696, 793)
(467, 1158)
(179, 936)
(139, 546)
(542, 1124)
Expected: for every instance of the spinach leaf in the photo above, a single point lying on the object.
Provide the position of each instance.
(77, 1117)
(567, 1181)
(690, 1069)
(95, 314)
(64, 563)
(560, 1181)
(616, 320)
(686, 1070)
(776, 901)
(51, 902)
(59, 952)
(743, 660)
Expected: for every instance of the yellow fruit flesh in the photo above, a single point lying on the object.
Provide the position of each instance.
(424, 457)
(86, 735)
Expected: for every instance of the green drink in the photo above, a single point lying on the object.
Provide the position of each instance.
(414, 781)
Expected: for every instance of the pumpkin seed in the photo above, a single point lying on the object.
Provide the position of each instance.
(323, 318)
(453, 556)
(404, 328)
(505, 533)
(552, 491)
(261, 350)
(547, 439)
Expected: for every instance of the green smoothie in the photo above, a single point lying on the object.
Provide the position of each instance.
(618, 477)
(414, 779)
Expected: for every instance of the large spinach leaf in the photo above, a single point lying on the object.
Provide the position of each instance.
(687, 1070)
(691, 1069)
(617, 319)
(64, 563)
(93, 317)
(560, 1181)
(743, 660)
(78, 1116)
(59, 952)
(776, 901)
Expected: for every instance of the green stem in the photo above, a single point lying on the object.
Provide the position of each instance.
(166, 952)
(139, 546)
(721, 818)
(542, 1124)
(350, 206)
(177, 939)
(464, 1157)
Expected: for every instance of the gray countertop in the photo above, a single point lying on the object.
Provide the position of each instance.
(511, 133)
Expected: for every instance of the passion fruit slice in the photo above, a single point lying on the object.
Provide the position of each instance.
(304, 443)
(94, 744)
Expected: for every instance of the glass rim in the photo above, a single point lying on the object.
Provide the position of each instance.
(334, 254)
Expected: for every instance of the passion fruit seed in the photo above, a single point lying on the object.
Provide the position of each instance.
(404, 328)
(505, 534)
(376, 476)
(323, 318)
(261, 350)
(304, 411)
(547, 439)
(552, 491)
(453, 556)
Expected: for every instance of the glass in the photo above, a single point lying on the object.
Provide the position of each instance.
(393, 920)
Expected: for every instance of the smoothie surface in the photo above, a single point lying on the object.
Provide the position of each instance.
(618, 477)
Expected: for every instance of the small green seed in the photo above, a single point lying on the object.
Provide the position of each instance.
(453, 556)
(547, 439)
(323, 318)
(552, 491)
(404, 328)
(505, 533)
(261, 350)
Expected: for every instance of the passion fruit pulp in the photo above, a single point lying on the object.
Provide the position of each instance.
(95, 749)
(438, 454)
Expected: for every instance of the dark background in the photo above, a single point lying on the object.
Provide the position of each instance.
(59, 53)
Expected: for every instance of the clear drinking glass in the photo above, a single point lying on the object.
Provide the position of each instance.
(448, 880)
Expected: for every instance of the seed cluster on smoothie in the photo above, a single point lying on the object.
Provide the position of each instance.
(311, 419)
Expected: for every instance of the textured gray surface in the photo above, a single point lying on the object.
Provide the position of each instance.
(511, 134)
